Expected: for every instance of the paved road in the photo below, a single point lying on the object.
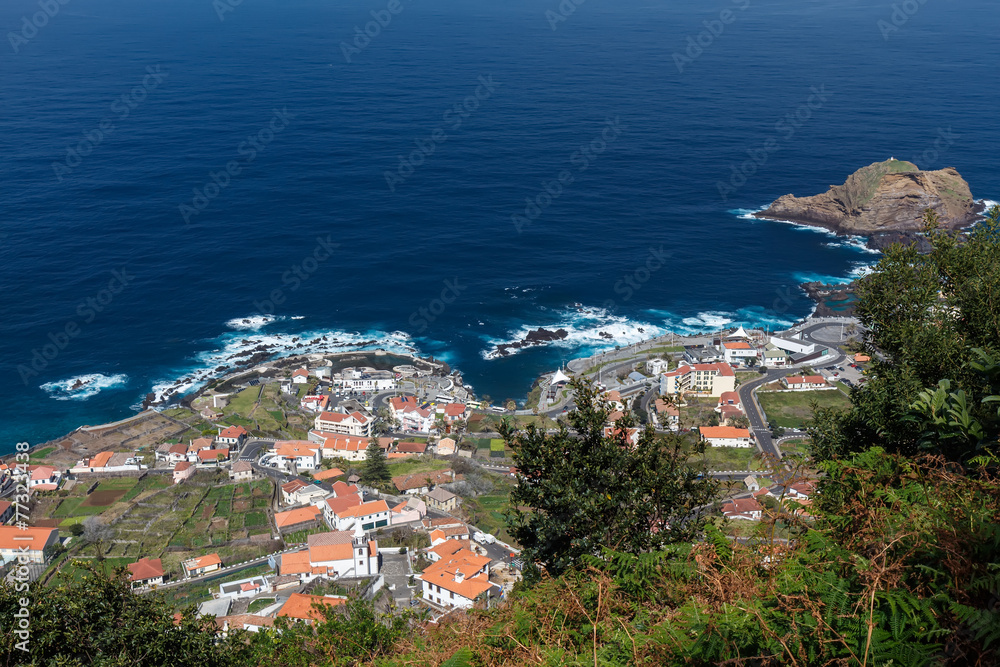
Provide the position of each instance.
(756, 416)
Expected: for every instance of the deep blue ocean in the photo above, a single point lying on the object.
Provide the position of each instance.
(531, 163)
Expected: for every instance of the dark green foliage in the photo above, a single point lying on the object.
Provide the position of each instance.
(375, 471)
(927, 318)
(98, 621)
(580, 492)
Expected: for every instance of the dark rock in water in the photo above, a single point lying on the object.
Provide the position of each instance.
(146, 402)
(832, 300)
(605, 335)
(77, 385)
(883, 240)
(295, 340)
(534, 337)
(222, 369)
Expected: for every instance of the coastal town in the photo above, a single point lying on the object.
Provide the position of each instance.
(253, 499)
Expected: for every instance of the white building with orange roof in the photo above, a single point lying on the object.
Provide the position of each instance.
(30, 545)
(108, 462)
(340, 503)
(194, 567)
(369, 516)
(146, 572)
(332, 554)
(300, 376)
(43, 478)
(308, 608)
(346, 447)
(806, 383)
(711, 379)
(452, 412)
(743, 509)
(234, 436)
(457, 580)
(737, 351)
(297, 492)
(314, 403)
(288, 455)
(338, 423)
(726, 436)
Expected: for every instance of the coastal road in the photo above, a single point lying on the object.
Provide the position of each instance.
(756, 415)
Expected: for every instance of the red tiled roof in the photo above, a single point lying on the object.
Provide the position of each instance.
(233, 432)
(145, 568)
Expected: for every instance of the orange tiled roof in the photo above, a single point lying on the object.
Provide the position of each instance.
(444, 572)
(300, 606)
(328, 474)
(723, 432)
(12, 537)
(203, 561)
(298, 515)
(364, 509)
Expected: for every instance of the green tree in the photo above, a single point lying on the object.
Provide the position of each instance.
(375, 471)
(578, 492)
(99, 621)
(924, 317)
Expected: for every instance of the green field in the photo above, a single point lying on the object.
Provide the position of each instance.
(117, 484)
(727, 458)
(73, 572)
(497, 445)
(412, 465)
(70, 507)
(253, 519)
(41, 453)
(793, 409)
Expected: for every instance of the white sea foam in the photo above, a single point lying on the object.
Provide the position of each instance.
(82, 387)
(583, 326)
(234, 349)
(250, 323)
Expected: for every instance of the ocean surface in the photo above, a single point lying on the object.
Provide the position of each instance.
(501, 165)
